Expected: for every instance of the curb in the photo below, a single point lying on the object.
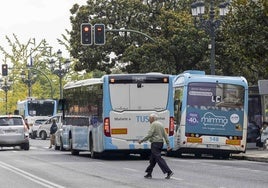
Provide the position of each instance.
(250, 158)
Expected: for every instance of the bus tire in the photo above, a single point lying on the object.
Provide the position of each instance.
(91, 148)
(73, 151)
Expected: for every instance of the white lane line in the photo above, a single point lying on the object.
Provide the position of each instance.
(178, 179)
(30, 176)
(131, 169)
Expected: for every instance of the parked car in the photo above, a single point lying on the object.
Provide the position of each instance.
(13, 132)
(43, 131)
(33, 129)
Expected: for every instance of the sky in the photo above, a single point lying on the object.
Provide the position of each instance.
(39, 19)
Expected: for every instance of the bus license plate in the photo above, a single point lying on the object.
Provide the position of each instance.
(212, 146)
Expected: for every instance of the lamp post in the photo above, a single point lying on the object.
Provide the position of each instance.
(30, 80)
(5, 86)
(60, 68)
(210, 25)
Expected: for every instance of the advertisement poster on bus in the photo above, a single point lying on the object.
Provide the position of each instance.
(215, 109)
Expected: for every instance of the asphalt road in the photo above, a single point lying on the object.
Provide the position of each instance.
(43, 167)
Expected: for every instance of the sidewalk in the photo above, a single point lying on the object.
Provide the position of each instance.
(253, 154)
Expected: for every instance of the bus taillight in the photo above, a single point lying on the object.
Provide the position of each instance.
(171, 126)
(106, 127)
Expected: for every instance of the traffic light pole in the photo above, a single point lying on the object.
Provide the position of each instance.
(98, 34)
(133, 31)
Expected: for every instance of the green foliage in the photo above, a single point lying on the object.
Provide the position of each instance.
(241, 41)
(172, 30)
(244, 41)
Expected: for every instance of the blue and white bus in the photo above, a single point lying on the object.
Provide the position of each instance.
(33, 109)
(111, 114)
(210, 114)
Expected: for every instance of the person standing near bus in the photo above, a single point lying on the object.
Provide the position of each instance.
(53, 130)
(156, 136)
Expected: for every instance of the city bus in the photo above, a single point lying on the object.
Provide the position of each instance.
(210, 114)
(32, 109)
(110, 114)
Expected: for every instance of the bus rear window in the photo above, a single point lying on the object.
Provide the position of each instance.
(139, 96)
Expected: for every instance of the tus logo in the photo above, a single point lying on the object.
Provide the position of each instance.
(142, 119)
(210, 119)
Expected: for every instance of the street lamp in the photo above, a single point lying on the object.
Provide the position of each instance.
(210, 25)
(30, 80)
(61, 70)
(5, 86)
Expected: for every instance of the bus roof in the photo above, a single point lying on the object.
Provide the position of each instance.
(187, 77)
(90, 81)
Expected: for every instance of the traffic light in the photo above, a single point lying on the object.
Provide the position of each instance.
(4, 70)
(99, 34)
(86, 34)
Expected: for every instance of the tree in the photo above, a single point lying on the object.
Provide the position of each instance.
(244, 39)
(172, 29)
(18, 58)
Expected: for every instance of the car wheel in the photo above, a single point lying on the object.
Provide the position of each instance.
(43, 135)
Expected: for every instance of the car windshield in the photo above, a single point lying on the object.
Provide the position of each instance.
(7, 121)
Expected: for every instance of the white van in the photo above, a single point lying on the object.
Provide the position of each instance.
(43, 131)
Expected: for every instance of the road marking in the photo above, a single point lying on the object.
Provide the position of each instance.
(131, 169)
(30, 176)
(178, 179)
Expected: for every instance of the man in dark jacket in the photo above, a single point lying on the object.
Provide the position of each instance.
(53, 130)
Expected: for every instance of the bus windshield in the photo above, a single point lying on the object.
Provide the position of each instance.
(41, 108)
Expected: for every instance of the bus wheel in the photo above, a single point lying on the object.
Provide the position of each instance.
(73, 151)
(92, 153)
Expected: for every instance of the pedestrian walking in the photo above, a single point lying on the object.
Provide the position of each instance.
(53, 130)
(156, 136)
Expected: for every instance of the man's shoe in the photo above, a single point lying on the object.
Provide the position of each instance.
(148, 176)
(169, 175)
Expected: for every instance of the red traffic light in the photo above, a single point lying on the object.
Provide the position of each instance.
(99, 34)
(4, 70)
(86, 34)
(99, 29)
(86, 28)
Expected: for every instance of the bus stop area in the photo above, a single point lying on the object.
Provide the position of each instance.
(254, 154)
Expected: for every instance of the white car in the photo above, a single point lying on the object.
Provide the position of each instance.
(43, 131)
(13, 132)
(35, 127)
